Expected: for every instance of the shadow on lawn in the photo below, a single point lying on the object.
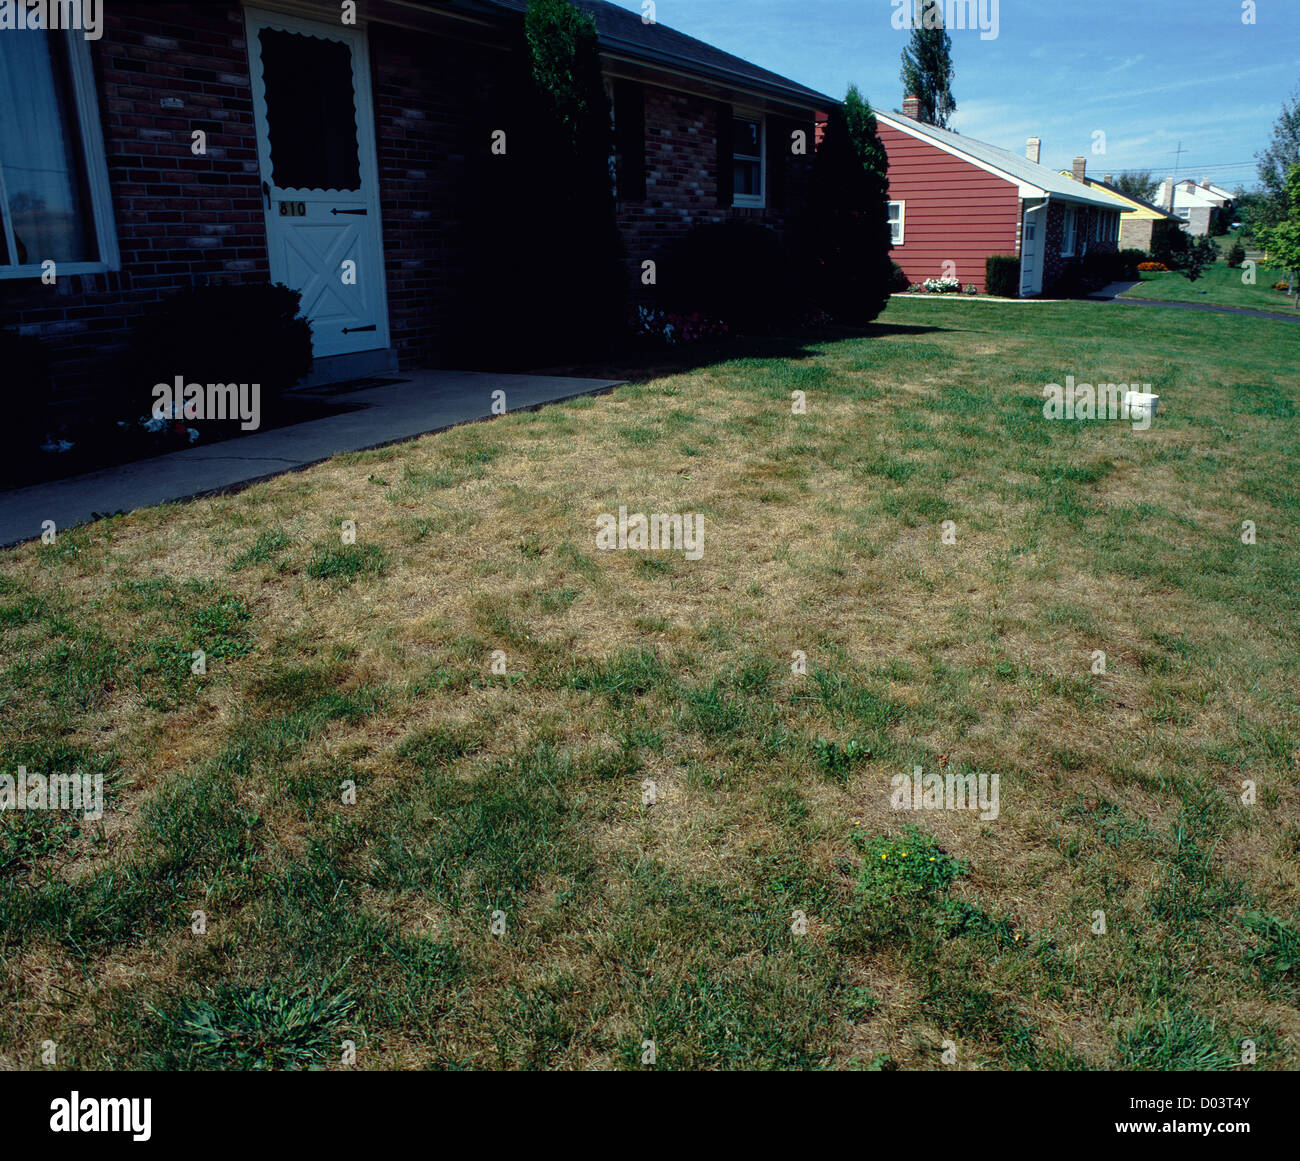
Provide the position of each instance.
(642, 364)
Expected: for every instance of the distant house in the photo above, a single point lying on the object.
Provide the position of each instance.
(1197, 204)
(955, 201)
(224, 143)
(1143, 224)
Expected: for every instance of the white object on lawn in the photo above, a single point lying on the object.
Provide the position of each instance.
(1140, 404)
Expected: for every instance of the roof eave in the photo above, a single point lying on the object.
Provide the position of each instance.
(792, 93)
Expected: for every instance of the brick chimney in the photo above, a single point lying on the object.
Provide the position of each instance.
(1080, 168)
(1110, 179)
(1034, 149)
(912, 107)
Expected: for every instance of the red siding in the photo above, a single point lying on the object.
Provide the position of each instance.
(955, 211)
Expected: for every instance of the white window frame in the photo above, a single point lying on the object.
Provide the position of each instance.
(85, 106)
(1070, 231)
(750, 201)
(901, 223)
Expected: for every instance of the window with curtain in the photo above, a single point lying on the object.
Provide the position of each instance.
(44, 201)
(896, 220)
(747, 160)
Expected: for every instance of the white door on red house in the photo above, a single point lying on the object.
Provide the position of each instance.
(316, 149)
(1032, 231)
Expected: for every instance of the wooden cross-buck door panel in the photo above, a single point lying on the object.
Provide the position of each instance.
(316, 150)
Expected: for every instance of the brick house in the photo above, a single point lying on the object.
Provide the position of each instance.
(1144, 225)
(955, 201)
(195, 143)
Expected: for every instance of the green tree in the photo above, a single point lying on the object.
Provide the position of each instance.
(1282, 241)
(848, 246)
(1139, 185)
(546, 280)
(928, 72)
(1276, 161)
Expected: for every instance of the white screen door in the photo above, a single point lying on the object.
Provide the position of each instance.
(1031, 250)
(316, 149)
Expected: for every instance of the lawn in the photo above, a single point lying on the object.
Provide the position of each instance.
(648, 834)
(1220, 285)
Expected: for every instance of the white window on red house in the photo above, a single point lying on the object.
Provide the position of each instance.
(1068, 232)
(897, 217)
(747, 159)
(54, 201)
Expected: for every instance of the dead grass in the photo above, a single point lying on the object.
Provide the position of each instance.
(522, 792)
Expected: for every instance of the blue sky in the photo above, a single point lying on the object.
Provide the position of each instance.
(1148, 73)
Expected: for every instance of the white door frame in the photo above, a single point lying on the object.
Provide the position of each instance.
(1034, 285)
(372, 232)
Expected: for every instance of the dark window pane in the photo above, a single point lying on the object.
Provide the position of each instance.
(310, 111)
(40, 153)
(748, 178)
(746, 138)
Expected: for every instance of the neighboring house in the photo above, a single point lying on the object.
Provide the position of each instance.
(955, 201)
(1143, 224)
(1197, 205)
(327, 143)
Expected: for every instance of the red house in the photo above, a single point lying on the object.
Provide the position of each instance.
(955, 201)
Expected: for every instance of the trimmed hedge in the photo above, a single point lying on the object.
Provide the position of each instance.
(244, 333)
(26, 364)
(736, 271)
(1002, 275)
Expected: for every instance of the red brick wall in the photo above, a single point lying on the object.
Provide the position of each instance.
(681, 164)
(182, 219)
(954, 212)
(179, 218)
(1054, 265)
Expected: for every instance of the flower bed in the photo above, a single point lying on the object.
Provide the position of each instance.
(672, 329)
(944, 286)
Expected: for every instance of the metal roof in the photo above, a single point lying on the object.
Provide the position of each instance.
(1014, 166)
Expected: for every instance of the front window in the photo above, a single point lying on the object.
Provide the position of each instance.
(897, 214)
(53, 183)
(747, 160)
(1068, 233)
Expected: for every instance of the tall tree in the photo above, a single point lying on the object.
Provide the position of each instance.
(848, 244)
(1139, 185)
(1276, 161)
(547, 283)
(927, 64)
(1282, 241)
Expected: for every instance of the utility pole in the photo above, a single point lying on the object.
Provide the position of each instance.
(1173, 181)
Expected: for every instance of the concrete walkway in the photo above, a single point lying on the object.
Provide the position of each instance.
(1114, 290)
(423, 402)
(1212, 308)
